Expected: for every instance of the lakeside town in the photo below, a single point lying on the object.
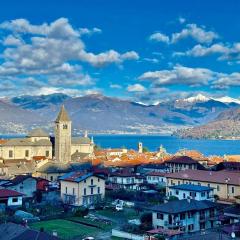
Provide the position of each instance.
(66, 187)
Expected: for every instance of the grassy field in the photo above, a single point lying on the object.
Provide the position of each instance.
(65, 229)
(102, 225)
(127, 214)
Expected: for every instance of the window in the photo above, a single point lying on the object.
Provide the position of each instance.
(182, 216)
(218, 188)
(209, 185)
(179, 182)
(160, 216)
(14, 200)
(91, 190)
(10, 153)
(27, 153)
(51, 178)
(233, 190)
(85, 191)
(98, 179)
(91, 181)
(190, 227)
(177, 192)
(84, 181)
(98, 190)
(203, 194)
(65, 126)
(47, 153)
(189, 214)
(184, 195)
(66, 190)
(73, 191)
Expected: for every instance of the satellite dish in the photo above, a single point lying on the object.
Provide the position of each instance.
(233, 235)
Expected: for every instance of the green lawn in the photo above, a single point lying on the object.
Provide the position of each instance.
(127, 214)
(65, 229)
(104, 226)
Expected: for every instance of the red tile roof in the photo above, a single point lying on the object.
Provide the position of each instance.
(9, 193)
(230, 177)
(182, 159)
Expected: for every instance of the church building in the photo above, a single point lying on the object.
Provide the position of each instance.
(38, 144)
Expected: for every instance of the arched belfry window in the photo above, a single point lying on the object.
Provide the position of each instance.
(65, 126)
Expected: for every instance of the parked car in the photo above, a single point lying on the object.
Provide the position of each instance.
(119, 207)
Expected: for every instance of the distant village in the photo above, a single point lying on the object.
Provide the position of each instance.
(66, 187)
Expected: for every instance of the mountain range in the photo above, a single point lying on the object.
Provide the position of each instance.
(100, 114)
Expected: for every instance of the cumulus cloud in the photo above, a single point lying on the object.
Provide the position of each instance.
(227, 80)
(199, 34)
(136, 88)
(224, 51)
(179, 75)
(159, 37)
(52, 51)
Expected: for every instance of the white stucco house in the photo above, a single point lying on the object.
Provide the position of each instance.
(196, 192)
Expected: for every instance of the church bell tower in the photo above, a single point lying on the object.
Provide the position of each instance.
(63, 137)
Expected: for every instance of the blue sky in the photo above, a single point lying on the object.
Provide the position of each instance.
(147, 51)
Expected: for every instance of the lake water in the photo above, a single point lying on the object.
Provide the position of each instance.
(172, 144)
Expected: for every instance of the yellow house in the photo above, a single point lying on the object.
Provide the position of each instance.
(225, 184)
(81, 188)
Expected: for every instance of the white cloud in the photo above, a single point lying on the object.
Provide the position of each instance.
(199, 34)
(179, 75)
(53, 52)
(227, 80)
(225, 51)
(159, 37)
(115, 86)
(87, 31)
(136, 88)
(181, 20)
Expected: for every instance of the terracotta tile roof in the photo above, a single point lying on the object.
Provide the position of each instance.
(230, 177)
(182, 159)
(9, 193)
(2, 141)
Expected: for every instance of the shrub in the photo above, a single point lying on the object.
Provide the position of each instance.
(81, 212)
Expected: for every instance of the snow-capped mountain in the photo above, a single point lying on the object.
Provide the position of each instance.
(100, 113)
(227, 99)
(198, 98)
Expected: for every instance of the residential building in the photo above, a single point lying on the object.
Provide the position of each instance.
(25, 184)
(10, 198)
(156, 178)
(179, 163)
(81, 188)
(185, 215)
(51, 171)
(190, 191)
(126, 180)
(152, 167)
(13, 231)
(225, 184)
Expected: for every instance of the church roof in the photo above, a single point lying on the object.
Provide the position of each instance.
(63, 116)
(81, 140)
(26, 142)
(38, 132)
